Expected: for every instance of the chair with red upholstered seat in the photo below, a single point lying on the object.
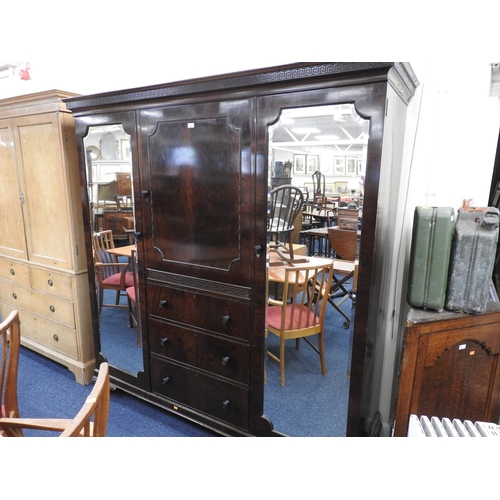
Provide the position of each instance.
(10, 341)
(301, 311)
(110, 273)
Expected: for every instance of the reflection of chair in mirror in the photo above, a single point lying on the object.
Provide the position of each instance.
(285, 205)
(90, 421)
(110, 273)
(105, 198)
(344, 244)
(132, 296)
(301, 311)
(10, 341)
(323, 210)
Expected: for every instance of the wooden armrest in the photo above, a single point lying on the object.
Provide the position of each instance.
(274, 302)
(48, 424)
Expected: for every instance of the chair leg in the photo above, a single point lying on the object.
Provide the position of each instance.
(282, 361)
(321, 348)
(117, 300)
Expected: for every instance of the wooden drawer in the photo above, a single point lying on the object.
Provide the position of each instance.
(49, 306)
(212, 396)
(52, 282)
(52, 335)
(211, 313)
(12, 270)
(213, 354)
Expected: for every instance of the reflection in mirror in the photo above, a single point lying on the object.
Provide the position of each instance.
(322, 150)
(111, 211)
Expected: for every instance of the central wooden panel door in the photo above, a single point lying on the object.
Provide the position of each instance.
(198, 186)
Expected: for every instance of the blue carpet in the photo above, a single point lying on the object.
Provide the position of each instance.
(47, 389)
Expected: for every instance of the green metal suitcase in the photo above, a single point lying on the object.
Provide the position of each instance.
(472, 260)
(430, 256)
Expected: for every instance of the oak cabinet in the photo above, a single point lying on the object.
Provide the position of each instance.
(43, 266)
(450, 367)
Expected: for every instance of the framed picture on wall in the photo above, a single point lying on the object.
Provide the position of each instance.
(299, 164)
(329, 188)
(339, 165)
(340, 187)
(350, 165)
(312, 163)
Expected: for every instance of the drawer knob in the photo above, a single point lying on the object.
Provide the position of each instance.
(164, 341)
(165, 381)
(225, 404)
(14, 295)
(12, 272)
(163, 303)
(225, 360)
(55, 337)
(50, 282)
(52, 309)
(258, 249)
(226, 319)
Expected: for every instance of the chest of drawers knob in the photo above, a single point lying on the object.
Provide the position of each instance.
(225, 360)
(225, 404)
(12, 272)
(163, 303)
(50, 282)
(164, 341)
(226, 319)
(165, 380)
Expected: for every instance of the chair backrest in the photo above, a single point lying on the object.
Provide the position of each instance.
(285, 204)
(343, 242)
(319, 186)
(10, 341)
(101, 242)
(303, 290)
(92, 419)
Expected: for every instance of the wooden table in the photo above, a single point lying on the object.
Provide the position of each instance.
(277, 272)
(125, 251)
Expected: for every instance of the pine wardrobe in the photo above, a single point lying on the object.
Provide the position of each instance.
(199, 159)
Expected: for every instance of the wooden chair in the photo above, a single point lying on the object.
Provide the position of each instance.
(10, 341)
(132, 298)
(110, 274)
(323, 210)
(90, 421)
(285, 204)
(301, 312)
(344, 244)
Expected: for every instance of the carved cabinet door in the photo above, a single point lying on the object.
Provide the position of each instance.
(198, 204)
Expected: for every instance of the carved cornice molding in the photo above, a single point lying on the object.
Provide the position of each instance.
(234, 81)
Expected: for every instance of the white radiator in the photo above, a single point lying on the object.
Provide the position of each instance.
(434, 427)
